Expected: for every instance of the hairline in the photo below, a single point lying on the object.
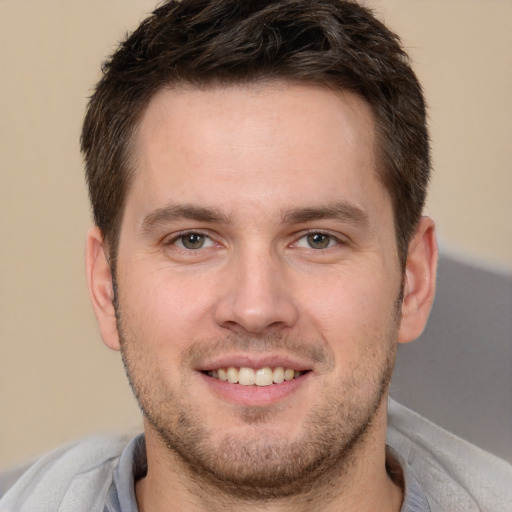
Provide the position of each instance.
(129, 156)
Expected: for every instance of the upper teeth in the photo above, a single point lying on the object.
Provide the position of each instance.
(249, 376)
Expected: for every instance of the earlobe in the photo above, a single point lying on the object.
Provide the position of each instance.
(420, 281)
(99, 280)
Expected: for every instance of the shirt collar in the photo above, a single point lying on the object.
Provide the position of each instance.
(133, 465)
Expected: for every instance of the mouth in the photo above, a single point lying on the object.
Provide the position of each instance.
(246, 376)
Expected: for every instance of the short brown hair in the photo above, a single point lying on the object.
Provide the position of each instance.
(334, 43)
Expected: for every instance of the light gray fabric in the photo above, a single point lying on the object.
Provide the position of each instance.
(74, 478)
(459, 372)
(133, 465)
(452, 475)
(455, 475)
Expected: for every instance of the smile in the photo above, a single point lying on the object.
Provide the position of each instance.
(254, 377)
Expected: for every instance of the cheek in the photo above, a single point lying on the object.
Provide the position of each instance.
(158, 304)
(352, 309)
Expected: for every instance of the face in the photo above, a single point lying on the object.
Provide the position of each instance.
(258, 245)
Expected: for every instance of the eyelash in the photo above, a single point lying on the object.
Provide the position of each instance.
(182, 235)
(332, 240)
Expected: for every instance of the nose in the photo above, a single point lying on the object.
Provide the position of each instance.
(256, 296)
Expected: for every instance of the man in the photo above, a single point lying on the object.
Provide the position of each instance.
(258, 172)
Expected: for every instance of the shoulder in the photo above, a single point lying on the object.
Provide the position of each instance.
(62, 479)
(454, 474)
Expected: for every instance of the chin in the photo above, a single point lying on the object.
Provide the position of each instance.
(259, 458)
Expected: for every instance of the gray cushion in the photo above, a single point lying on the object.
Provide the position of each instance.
(459, 372)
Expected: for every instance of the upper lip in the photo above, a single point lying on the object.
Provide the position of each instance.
(254, 361)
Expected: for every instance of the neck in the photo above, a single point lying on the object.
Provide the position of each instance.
(359, 482)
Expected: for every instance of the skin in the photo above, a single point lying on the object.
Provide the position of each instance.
(254, 170)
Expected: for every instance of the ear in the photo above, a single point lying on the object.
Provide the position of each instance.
(101, 290)
(420, 281)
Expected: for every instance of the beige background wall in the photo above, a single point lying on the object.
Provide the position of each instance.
(57, 381)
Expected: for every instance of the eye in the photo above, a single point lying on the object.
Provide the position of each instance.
(193, 241)
(317, 241)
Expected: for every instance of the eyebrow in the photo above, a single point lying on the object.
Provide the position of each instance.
(174, 212)
(343, 210)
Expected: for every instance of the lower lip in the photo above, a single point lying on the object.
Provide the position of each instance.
(254, 396)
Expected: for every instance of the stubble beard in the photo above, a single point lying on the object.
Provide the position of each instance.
(261, 467)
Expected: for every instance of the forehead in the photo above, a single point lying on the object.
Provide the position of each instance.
(267, 108)
(262, 142)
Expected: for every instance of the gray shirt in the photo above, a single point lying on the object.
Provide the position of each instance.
(441, 472)
(133, 466)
